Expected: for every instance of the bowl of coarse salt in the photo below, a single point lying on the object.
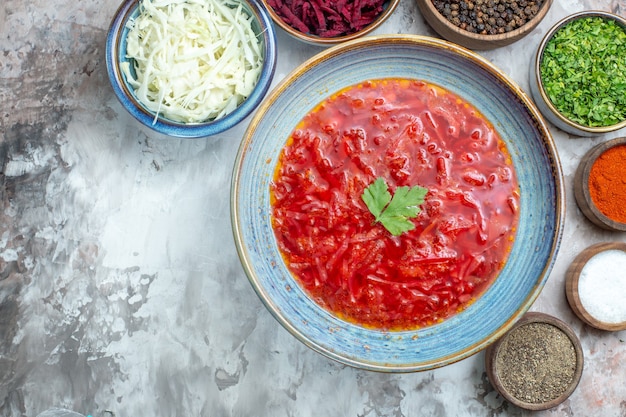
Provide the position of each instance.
(595, 285)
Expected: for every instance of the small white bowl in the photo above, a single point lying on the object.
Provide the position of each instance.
(540, 96)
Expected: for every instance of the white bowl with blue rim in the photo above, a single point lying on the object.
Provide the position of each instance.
(534, 158)
(116, 54)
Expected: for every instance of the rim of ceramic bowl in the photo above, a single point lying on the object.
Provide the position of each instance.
(537, 70)
(321, 41)
(114, 54)
(301, 327)
(477, 38)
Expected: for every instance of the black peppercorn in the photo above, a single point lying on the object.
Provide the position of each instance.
(488, 16)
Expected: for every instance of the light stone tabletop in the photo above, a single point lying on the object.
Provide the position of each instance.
(121, 292)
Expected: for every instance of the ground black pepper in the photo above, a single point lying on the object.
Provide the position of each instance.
(536, 362)
(488, 17)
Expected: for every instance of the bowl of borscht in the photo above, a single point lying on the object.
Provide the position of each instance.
(397, 203)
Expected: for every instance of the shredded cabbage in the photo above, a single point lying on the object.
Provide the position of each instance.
(194, 60)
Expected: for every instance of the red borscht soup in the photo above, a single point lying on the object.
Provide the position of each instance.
(409, 133)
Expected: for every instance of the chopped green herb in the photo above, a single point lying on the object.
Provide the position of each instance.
(583, 71)
(394, 213)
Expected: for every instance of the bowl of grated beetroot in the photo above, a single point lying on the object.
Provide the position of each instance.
(325, 23)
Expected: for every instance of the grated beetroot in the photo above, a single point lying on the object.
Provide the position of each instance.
(327, 18)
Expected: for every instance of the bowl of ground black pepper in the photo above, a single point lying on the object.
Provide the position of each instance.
(537, 364)
(483, 24)
(599, 186)
(578, 77)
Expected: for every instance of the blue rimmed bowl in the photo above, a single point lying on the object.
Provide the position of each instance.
(116, 55)
(534, 158)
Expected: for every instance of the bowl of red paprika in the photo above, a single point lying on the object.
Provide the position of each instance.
(325, 23)
(386, 198)
(578, 77)
(599, 186)
(594, 285)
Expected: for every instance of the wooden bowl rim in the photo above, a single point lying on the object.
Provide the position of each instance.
(572, 276)
(514, 34)
(539, 57)
(326, 42)
(494, 377)
(581, 186)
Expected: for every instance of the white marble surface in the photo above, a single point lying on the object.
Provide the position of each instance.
(121, 292)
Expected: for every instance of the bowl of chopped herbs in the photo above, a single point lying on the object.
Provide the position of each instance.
(324, 23)
(578, 78)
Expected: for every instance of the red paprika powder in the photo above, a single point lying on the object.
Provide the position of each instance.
(607, 183)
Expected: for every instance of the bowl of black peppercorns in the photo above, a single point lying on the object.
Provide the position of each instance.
(483, 24)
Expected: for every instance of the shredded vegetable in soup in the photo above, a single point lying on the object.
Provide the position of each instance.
(394, 204)
(193, 60)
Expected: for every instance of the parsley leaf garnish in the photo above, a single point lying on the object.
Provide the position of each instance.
(394, 212)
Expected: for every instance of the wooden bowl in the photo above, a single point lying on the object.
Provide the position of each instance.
(537, 88)
(496, 373)
(582, 192)
(116, 58)
(577, 299)
(477, 41)
(388, 8)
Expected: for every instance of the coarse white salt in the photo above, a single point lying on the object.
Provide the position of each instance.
(602, 286)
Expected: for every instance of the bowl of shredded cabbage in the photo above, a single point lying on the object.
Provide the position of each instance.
(191, 68)
(578, 74)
